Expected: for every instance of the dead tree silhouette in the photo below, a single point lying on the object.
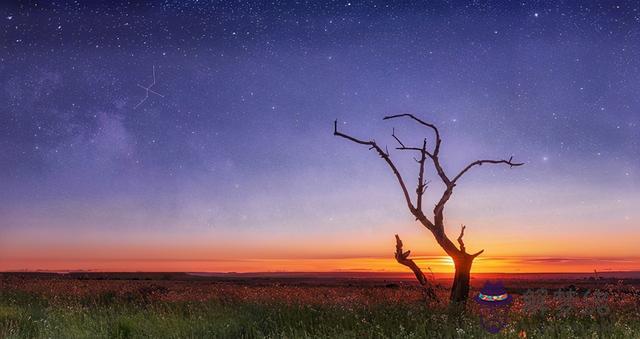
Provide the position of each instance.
(461, 259)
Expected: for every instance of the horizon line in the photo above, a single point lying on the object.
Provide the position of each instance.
(64, 271)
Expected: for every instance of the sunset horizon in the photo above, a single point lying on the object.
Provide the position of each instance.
(439, 265)
(319, 169)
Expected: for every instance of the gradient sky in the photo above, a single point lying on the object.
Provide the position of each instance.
(235, 168)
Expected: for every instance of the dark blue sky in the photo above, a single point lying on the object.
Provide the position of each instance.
(241, 140)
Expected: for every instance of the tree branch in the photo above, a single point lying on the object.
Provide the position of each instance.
(403, 258)
(393, 134)
(433, 127)
(423, 156)
(480, 162)
(436, 150)
(438, 221)
(438, 211)
(402, 145)
(422, 186)
(477, 253)
(462, 248)
(384, 155)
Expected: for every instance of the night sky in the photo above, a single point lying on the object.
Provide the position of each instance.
(234, 165)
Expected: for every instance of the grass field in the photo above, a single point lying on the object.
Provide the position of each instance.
(167, 307)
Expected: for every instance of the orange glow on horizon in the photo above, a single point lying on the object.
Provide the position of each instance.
(437, 264)
(317, 250)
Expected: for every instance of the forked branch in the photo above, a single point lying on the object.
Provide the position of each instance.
(462, 248)
(432, 126)
(403, 258)
(436, 151)
(439, 208)
(422, 184)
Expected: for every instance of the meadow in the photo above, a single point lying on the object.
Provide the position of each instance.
(176, 306)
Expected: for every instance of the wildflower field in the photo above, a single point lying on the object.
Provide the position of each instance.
(171, 306)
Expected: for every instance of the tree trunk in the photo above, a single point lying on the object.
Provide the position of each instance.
(460, 288)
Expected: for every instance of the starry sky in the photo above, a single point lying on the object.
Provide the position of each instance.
(227, 161)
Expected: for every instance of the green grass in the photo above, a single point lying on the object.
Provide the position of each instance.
(109, 316)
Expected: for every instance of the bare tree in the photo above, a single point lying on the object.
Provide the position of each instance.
(461, 259)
